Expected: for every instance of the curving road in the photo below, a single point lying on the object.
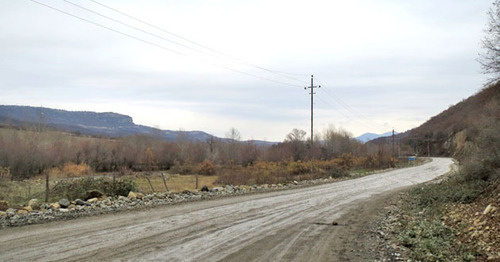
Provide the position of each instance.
(288, 225)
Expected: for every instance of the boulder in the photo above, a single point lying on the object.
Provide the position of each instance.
(94, 194)
(81, 202)
(64, 203)
(204, 189)
(28, 208)
(55, 206)
(4, 205)
(229, 188)
(22, 211)
(34, 204)
(123, 198)
(132, 195)
(3, 214)
(140, 195)
(93, 200)
(217, 189)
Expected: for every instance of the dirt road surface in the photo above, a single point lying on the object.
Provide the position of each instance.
(292, 225)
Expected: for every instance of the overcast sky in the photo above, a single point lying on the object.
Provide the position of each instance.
(212, 65)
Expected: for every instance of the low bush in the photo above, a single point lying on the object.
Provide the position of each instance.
(77, 188)
(5, 173)
(207, 168)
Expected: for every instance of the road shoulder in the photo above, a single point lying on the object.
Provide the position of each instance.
(360, 234)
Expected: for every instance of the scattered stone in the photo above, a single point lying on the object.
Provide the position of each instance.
(81, 202)
(93, 194)
(55, 206)
(122, 198)
(64, 203)
(217, 189)
(28, 208)
(229, 189)
(93, 200)
(63, 210)
(140, 195)
(335, 223)
(488, 209)
(22, 211)
(295, 182)
(3, 214)
(4, 205)
(34, 204)
(132, 195)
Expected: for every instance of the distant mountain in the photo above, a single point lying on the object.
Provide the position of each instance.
(370, 136)
(89, 123)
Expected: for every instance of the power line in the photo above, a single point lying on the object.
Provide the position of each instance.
(342, 113)
(160, 46)
(133, 27)
(109, 28)
(350, 109)
(281, 73)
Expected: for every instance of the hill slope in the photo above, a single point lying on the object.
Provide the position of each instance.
(461, 128)
(89, 123)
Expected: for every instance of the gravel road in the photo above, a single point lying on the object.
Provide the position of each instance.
(291, 225)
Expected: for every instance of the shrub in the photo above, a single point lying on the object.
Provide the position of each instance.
(5, 173)
(77, 188)
(206, 168)
(337, 173)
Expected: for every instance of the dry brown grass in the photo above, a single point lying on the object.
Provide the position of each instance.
(70, 170)
(175, 183)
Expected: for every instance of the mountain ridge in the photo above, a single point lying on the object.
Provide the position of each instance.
(371, 136)
(89, 123)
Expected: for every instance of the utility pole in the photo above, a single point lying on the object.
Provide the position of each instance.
(312, 120)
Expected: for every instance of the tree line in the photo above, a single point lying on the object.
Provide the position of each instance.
(28, 153)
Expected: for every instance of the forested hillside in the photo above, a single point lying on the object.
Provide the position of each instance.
(462, 128)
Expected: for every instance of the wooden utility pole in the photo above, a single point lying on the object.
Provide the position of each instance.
(312, 120)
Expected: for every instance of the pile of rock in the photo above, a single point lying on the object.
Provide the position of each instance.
(97, 203)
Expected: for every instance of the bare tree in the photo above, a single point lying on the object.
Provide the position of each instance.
(296, 135)
(490, 58)
(233, 134)
(232, 146)
(296, 144)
